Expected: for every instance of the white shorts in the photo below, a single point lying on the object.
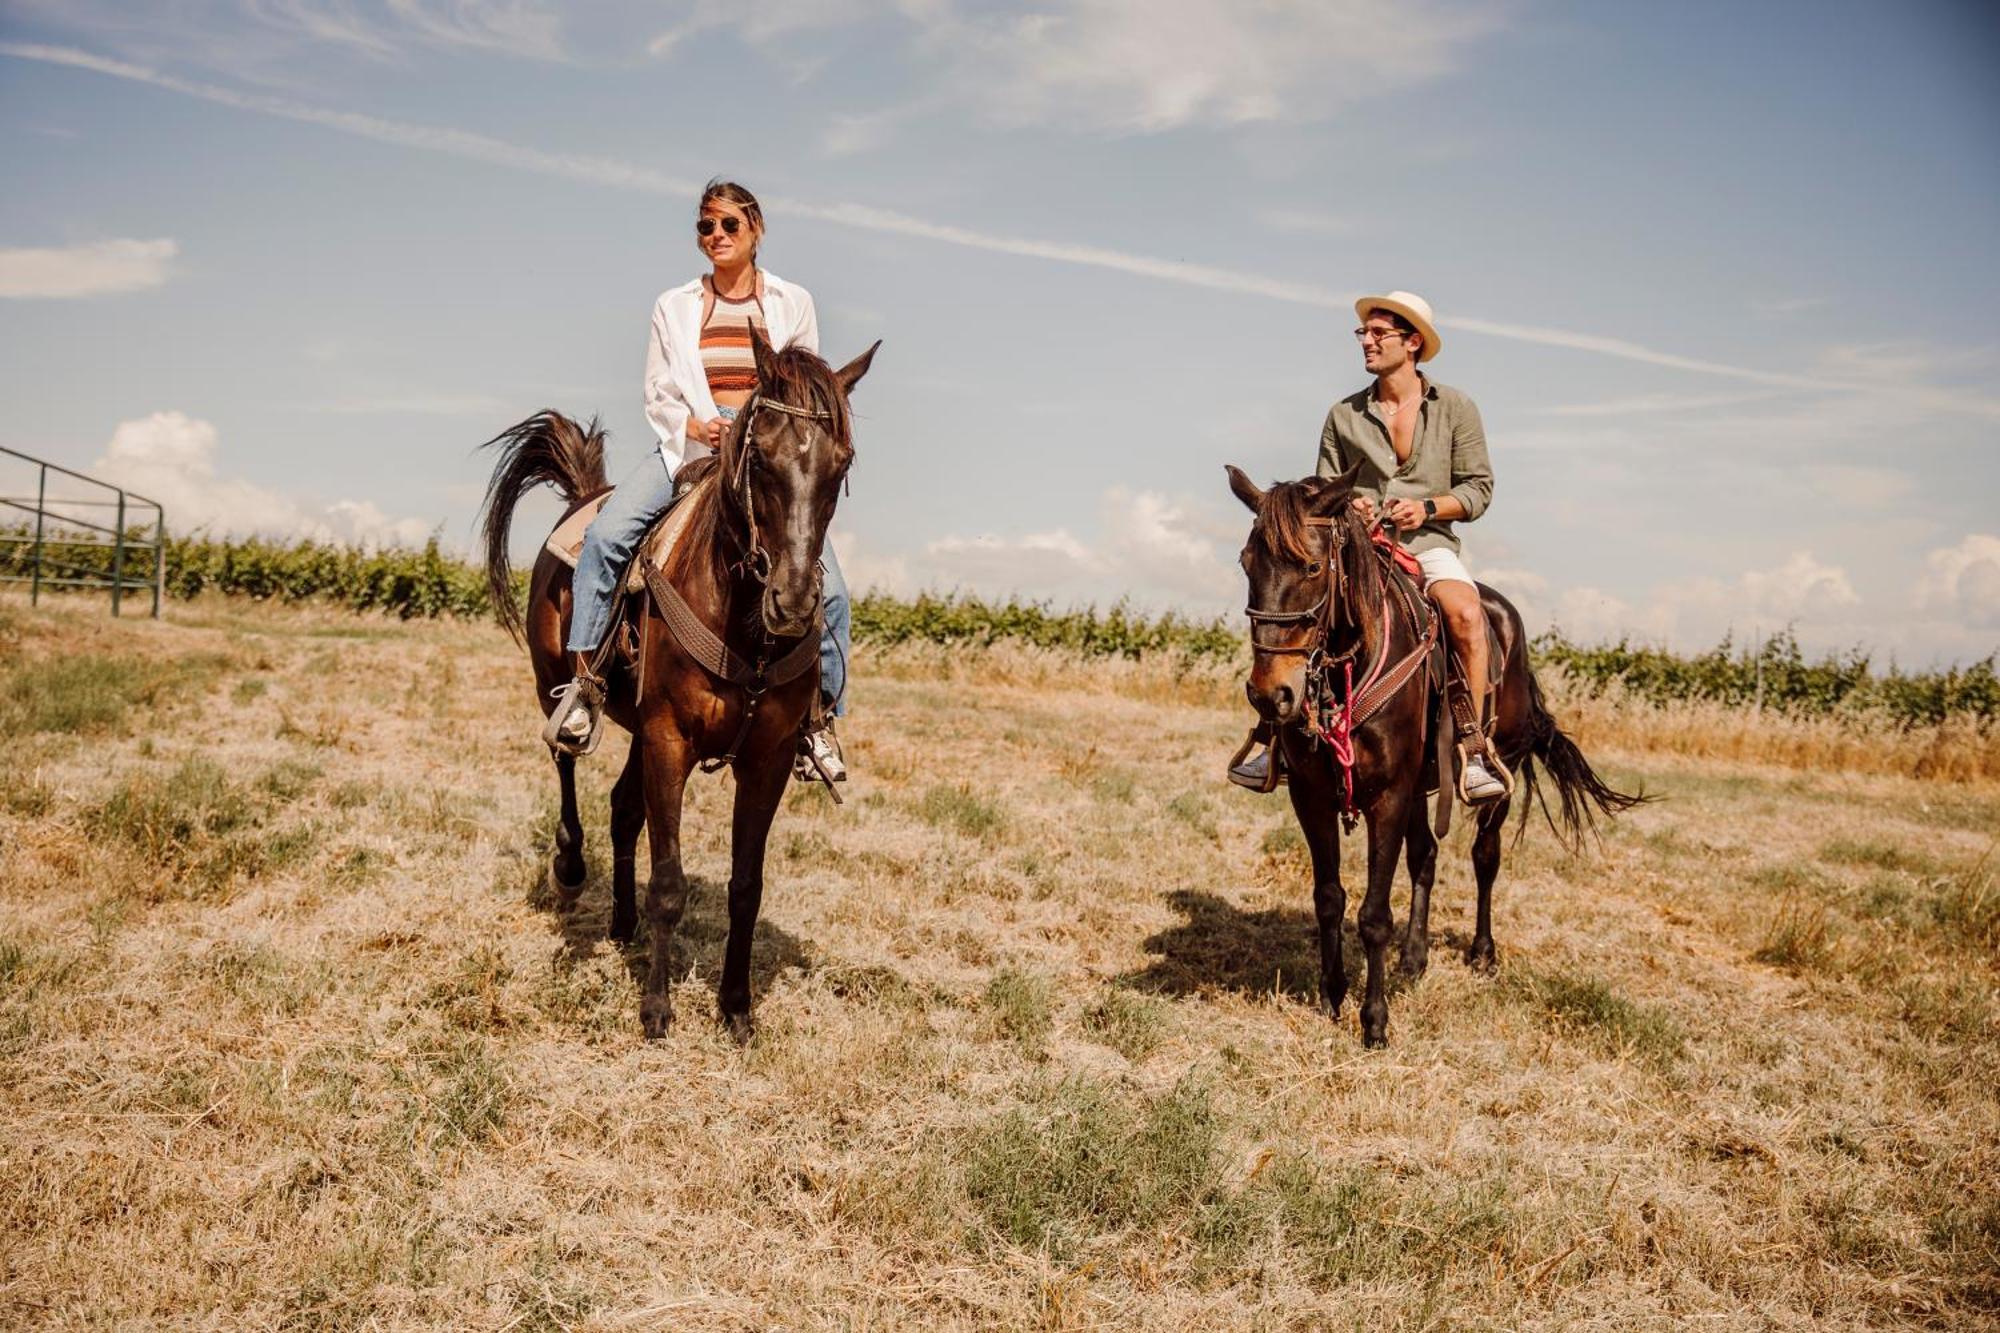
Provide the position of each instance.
(1440, 563)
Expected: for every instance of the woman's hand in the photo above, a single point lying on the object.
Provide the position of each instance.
(1407, 515)
(707, 432)
(1364, 505)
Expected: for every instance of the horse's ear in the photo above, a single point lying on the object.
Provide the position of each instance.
(1246, 489)
(760, 348)
(850, 374)
(1334, 492)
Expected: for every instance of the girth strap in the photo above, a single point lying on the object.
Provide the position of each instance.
(715, 657)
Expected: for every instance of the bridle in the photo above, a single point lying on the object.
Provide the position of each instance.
(756, 558)
(1330, 712)
(1321, 612)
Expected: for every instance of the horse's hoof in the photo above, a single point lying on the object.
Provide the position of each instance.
(741, 1029)
(1374, 1041)
(1482, 958)
(1413, 965)
(656, 1016)
(623, 928)
(565, 894)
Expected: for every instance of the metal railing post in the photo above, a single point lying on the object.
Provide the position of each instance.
(159, 558)
(118, 558)
(41, 509)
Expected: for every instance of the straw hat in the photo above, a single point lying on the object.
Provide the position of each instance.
(1411, 307)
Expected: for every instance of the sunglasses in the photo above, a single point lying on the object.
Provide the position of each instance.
(707, 226)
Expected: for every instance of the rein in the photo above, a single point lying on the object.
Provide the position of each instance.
(1332, 714)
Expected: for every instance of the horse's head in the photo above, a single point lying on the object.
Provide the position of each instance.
(784, 463)
(1294, 560)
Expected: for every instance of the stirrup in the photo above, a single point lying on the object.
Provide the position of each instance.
(819, 759)
(1262, 773)
(585, 694)
(1490, 760)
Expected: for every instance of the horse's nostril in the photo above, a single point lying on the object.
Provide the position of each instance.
(1282, 696)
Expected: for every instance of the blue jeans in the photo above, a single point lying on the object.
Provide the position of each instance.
(612, 539)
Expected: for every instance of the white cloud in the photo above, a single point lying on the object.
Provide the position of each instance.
(1964, 581)
(511, 27)
(101, 268)
(277, 41)
(1153, 65)
(169, 457)
(1154, 550)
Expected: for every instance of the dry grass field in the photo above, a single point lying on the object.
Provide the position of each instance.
(291, 1035)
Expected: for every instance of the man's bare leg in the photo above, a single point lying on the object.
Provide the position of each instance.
(1465, 621)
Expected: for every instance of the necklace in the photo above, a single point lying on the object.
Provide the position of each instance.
(748, 295)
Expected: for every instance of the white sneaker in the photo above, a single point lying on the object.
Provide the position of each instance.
(824, 747)
(1254, 772)
(1480, 782)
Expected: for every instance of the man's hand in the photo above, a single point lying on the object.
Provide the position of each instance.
(1408, 515)
(713, 431)
(1364, 505)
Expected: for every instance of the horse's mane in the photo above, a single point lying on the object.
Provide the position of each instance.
(790, 375)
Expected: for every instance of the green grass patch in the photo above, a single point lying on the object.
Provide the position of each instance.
(1020, 1006)
(1128, 1022)
(962, 810)
(1593, 1008)
(1077, 1161)
(1802, 937)
(92, 693)
(195, 830)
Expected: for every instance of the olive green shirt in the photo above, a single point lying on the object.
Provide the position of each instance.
(1447, 457)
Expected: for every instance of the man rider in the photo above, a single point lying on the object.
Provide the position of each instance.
(1423, 462)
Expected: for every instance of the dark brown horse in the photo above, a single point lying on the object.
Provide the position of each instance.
(1323, 593)
(748, 568)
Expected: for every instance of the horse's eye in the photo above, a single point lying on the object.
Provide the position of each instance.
(1312, 570)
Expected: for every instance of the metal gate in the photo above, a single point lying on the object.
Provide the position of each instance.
(58, 541)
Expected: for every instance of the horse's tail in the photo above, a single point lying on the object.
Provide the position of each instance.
(1582, 795)
(546, 448)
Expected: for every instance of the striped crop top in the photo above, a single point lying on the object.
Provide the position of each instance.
(725, 347)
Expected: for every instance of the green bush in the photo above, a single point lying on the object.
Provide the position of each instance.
(1777, 676)
(430, 582)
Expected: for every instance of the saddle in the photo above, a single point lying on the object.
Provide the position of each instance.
(566, 542)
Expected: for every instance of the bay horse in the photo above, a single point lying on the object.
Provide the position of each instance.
(747, 568)
(1323, 595)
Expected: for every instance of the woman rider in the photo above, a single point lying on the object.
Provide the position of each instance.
(699, 374)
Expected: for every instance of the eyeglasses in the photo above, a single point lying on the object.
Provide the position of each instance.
(707, 226)
(1377, 335)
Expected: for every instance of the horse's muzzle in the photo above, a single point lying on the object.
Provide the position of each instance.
(787, 617)
(1275, 700)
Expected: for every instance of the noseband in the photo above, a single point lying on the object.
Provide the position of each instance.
(756, 559)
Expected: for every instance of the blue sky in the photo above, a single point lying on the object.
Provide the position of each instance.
(1721, 277)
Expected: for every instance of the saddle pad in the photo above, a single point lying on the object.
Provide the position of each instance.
(566, 542)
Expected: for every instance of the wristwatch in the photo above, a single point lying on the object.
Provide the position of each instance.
(1430, 508)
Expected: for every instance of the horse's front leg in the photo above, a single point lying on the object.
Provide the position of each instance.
(1321, 827)
(1420, 852)
(1385, 844)
(665, 761)
(760, 786)
(566, 867)
(1480, 954)
(628, 817)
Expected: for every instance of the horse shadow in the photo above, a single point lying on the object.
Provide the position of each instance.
(1223, 947)
(698, 942)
